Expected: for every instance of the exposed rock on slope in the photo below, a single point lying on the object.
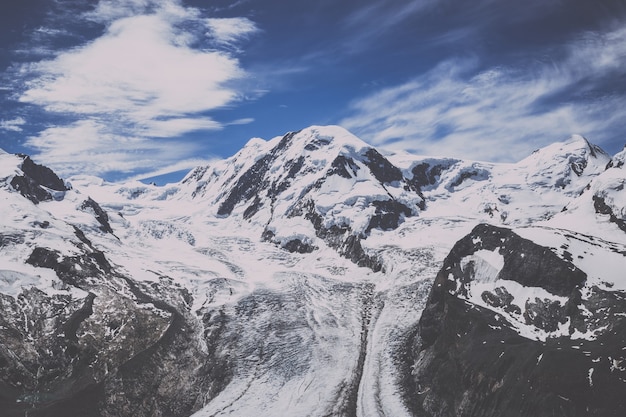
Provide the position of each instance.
(512, 328)
(37, 182)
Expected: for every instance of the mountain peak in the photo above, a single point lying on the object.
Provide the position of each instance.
(314, 141)
(332, 135)
(566, 165)
(574, 145)
(580, 141)
(319, 183)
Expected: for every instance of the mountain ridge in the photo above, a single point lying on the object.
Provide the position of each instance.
(307, 280)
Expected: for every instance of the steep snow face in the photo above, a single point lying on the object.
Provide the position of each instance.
(323, 185)
(8, 166)
(327, 165)
(601, 208)
(566, 165)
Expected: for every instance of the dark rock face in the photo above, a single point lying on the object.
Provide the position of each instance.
(466, 360)
(30, 189)
(254, 181)
(35, 177)
(296, 245)
(246, 187)
(501, 298)
(339, 238)
(42, 175)
(52, 374)
(476, 174)
(344, 167)
(388, 215)
(476, 367)
(426, 174)
(99, 213)
(524, 261)
(383, 170)
(73, 270)
(579, 163)
(601, 207)
(578, 166)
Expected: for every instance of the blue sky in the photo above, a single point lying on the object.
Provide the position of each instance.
(137, 88)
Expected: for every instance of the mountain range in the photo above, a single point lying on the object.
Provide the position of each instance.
(314, 275)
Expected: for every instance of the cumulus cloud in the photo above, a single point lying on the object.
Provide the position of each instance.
(499, 114)
(147, 76)
(135, 68)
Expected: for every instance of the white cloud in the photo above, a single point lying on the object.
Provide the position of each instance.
(244, 121)
(92, 146)
(110, 10)
(146, 77)
(228, 31)
(136, 69)
(183, 165)
(172, 127)
(495, 114)
(13, 125)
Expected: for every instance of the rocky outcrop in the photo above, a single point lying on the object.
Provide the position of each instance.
(468, 359)
(101, 216)
(36, 181)
(599, 204)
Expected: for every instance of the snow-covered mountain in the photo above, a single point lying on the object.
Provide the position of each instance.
(318, 186)
(312, 274)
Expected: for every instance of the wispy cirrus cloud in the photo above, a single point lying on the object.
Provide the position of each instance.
(229, 31)
(500, 113)
(13, 125)
(89, 146)
(150, 75)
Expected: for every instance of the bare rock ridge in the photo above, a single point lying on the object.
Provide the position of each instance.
(37, 181)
